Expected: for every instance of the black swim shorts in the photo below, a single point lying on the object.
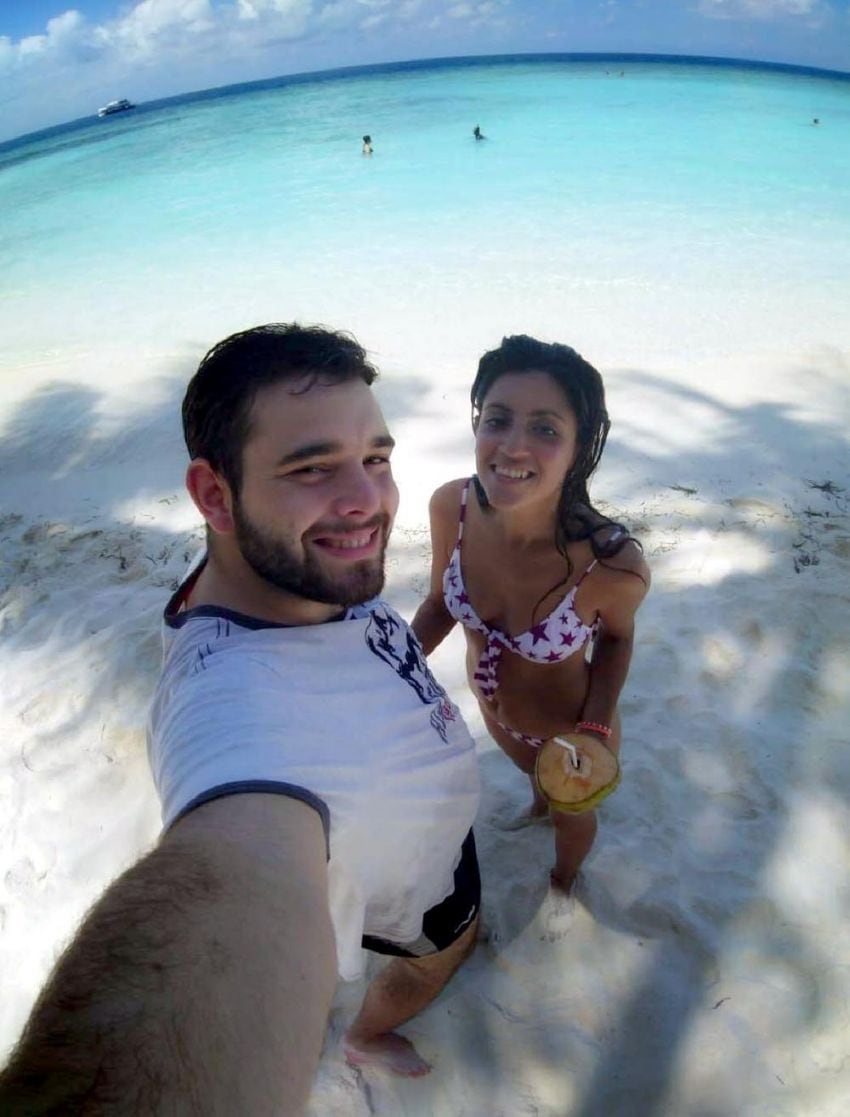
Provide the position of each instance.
(446, 921)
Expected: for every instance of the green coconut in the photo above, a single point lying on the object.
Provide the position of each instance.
(575, 772)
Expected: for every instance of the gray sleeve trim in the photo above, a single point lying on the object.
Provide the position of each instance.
(271, 787)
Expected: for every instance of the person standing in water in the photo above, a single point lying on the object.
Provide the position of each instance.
(479, 135)
(545, 585)
(367, 145)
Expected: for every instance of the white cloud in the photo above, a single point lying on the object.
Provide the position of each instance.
(379, 12)
(157, 30)
(154, 48)
(140, 31)
(64, 25)
(476, 14)
(154, 25)
(33, 44)
(253, 25)
(153, 31)
(273, 10)
(62, 33)
(152, 17)
(758, 9)
(336, 15)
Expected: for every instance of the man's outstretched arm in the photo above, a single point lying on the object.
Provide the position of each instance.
(200, 982)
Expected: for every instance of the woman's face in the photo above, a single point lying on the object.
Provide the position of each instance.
(526, 440)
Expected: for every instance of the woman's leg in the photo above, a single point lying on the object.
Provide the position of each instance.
(574, 836)
(524, 756)
(574, 833)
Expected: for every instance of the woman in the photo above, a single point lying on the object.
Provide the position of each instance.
(545, 586)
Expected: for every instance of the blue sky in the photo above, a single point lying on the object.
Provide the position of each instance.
(59, 62)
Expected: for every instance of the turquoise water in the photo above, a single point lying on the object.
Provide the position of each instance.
(691, 191)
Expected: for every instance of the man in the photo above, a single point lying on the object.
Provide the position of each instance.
(318, 788)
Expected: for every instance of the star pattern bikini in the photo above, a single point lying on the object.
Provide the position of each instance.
(559, 636)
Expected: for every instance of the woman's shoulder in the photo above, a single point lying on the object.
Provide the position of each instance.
(446, 500)
(617, 551)
(444, 511)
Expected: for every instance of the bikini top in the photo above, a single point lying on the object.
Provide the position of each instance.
(554, 639)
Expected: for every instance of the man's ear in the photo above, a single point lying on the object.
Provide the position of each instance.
(212, 495)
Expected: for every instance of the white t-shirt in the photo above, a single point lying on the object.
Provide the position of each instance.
(345, 715)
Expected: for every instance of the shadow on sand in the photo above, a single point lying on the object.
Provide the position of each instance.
(695, 801)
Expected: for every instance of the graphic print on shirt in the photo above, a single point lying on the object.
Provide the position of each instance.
(393, 642)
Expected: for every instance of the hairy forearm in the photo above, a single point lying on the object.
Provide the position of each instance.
(197, 985)
(432, 623)
(608, 673)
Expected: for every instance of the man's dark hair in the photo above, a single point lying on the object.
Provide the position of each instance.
(218, 401)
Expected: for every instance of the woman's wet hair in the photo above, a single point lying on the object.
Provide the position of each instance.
(218, 401)
(585, 393)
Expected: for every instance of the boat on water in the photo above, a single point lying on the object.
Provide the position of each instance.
(115, 106)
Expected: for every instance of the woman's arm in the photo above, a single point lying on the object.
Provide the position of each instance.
(628, 585)
(433, 622)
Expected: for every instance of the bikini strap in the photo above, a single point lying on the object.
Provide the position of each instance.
(462, 516)
(614, 535)
(582, 578)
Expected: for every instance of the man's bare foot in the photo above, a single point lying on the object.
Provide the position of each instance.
(390, 1051)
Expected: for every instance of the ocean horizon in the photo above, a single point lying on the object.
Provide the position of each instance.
(447, 62)
(658, 209)
(686, 228)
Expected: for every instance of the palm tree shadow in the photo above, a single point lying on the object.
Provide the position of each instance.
(725, 706)
(717, 663)
(725, 730)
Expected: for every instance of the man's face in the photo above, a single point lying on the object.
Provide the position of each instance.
(318, 497)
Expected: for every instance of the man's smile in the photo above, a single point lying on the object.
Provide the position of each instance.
(357, 544)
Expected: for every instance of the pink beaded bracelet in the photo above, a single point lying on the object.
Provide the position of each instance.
(595, 727)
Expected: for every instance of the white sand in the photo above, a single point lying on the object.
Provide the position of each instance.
(705, 969)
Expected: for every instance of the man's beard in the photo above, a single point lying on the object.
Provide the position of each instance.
(273, 560)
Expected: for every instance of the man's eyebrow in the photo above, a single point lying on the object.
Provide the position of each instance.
(327, 449)
(305, 453)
